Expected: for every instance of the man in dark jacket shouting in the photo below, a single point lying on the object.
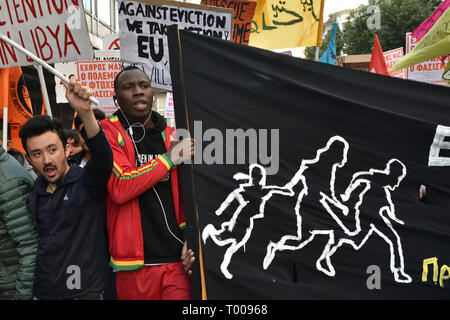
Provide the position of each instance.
(67, 205)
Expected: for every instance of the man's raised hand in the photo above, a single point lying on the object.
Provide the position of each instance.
(78, 95)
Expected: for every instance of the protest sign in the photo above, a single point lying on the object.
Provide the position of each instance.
(429, 71)
(243, 16)
(111, 42)
(168, 110)
(340, 191)
(70, 68)
(143, 32)
(391, 57)
(55, 31)
(99, 76)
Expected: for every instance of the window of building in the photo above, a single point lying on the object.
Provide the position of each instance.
(87, 5)
(104, 11)
(116, 17)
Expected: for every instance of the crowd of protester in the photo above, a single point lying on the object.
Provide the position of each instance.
(95, 211)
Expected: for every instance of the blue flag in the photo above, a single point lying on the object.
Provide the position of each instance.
(329, 56)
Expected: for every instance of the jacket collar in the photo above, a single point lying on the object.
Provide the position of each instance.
(71, 176)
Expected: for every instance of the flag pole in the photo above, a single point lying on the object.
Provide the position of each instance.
(44, 89)
(316, 56)
(41, 63)
(5, 128)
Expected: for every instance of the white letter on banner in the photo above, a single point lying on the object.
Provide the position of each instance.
(434, 160)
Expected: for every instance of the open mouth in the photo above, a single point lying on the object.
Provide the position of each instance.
(140, 105)
(50, 171)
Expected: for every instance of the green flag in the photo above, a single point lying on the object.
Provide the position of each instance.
(435, 43)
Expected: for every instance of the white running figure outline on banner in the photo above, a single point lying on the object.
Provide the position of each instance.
(256, 179)
(389, 179)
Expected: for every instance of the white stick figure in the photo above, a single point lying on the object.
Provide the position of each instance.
(253, 191)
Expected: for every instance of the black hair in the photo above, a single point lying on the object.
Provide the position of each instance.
(73, 134)
(38, 125)
(98, 114)
(129, 68)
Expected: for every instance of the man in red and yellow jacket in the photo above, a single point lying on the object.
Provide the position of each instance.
(145, 211)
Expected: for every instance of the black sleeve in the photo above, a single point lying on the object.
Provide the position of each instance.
(99, 167)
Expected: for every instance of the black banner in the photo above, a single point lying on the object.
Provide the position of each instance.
(312, 181)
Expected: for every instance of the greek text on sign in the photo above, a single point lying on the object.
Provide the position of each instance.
(55, 31)
(428, 71)
(70, 68)
(143, 32)
(99, 76)
(391, 58)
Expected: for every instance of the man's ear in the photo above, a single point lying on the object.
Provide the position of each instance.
(115, 100)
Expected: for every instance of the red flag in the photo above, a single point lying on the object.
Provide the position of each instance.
(377, 61)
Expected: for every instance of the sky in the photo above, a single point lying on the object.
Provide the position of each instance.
(332, 6)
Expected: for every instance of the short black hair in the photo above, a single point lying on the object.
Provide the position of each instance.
(38, 125)
(98, 114)
(73, 133)
(129, 68)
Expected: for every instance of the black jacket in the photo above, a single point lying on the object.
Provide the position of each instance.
(72, 257)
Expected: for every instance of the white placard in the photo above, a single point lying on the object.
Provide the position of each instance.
(429, 71)
(169, 112)
(69, 68)
(391, 57)
(143, 32)
(55, 31)
(111, 42)
(99, 76)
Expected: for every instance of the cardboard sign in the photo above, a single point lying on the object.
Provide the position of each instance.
(143, 32)
(391, 57)
(99, 76)
(243, 16)
(111, 42)
(169, 112)
(429, 71)
(70, 68)
(55, 31)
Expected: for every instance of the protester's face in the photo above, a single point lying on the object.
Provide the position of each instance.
(134, 94)
(73, 147)
(47, 154)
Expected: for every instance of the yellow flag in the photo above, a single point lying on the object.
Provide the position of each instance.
(435, 43)
(287, 24)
